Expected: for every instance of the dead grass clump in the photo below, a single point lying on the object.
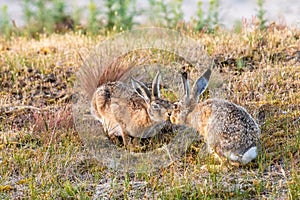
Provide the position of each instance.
(60, 118)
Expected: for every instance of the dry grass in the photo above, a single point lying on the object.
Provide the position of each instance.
(42, 155)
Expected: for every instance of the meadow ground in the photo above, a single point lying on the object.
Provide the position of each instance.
(42, 156)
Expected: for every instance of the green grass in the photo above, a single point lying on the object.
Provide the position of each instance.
(43, 157)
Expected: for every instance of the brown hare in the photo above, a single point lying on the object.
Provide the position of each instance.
(228, 129)
(126, 111)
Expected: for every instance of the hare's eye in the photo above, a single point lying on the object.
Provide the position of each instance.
(155, 106)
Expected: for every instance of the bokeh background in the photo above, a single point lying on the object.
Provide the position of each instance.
(230, 12)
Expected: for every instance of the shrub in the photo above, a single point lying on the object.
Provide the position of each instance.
(210, 20)
(261, 14)
(120, 14)
(165, 14)
(5, 25)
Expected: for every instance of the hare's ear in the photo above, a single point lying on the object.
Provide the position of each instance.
(186, 87)
(141, 89)
(155, 85)
(201, 85)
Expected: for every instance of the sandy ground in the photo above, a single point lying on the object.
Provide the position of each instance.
(284, 11)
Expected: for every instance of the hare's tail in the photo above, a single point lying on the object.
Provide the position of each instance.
(249, 155)
(93, 73)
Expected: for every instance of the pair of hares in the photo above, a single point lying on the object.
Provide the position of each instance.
(228, 129)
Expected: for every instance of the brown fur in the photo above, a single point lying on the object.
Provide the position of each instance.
(124, 112)
(117, 105)
(200, 117)
(228, 129)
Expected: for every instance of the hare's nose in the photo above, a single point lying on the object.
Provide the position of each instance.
(175, 106)
(169, 112)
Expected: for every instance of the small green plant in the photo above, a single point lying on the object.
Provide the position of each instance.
(28, 12)
(46, 16)
(210, 20)
(76, 15)
(120, 14)
(37, 17)
(261, 14)
(157, 11)
(200, 24)
(59, 8)
(164, 13)
(240, 64)
(176, 13)
(5, 25)
(69, 190)
(93, 25)
(42, 16)
(238, 26)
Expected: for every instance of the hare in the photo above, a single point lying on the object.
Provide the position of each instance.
(228, 129)
(126, 111)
